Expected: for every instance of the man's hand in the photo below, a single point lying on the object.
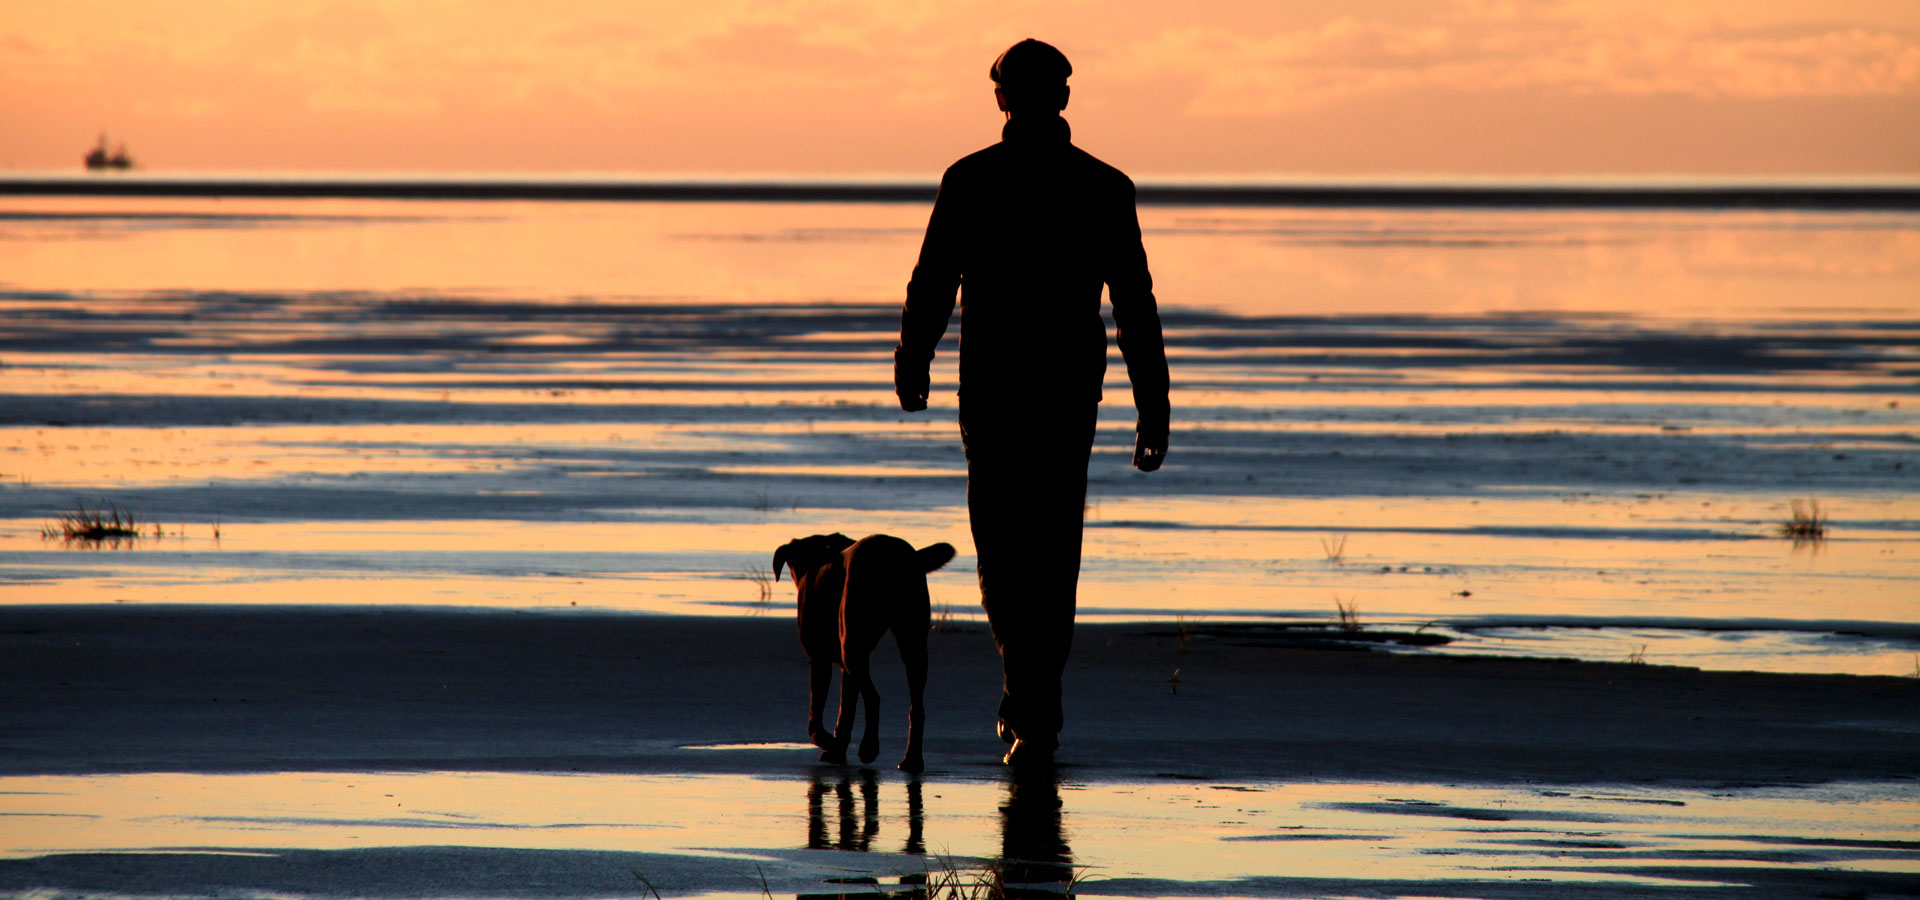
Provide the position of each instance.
(910, 384)
(1149, 446)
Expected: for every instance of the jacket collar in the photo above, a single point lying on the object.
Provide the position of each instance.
(1036, 131)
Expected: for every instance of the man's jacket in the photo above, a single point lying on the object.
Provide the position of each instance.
(1028, 230)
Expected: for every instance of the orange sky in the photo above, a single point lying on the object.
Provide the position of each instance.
(853, 87)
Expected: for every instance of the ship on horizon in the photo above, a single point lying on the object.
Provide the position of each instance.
(99, 159)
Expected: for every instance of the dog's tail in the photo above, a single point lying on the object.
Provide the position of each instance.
(932, 556)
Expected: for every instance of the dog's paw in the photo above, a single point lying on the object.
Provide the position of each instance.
(912, 764)
(822, 739)
(869, 749)
(833, 756)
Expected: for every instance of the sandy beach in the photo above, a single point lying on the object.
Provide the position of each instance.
(107, 694)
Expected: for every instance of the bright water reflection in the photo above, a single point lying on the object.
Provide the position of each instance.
(839, 830)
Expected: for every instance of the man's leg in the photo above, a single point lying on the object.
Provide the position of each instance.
(1026, 491)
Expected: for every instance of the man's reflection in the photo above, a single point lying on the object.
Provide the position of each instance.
(916, 819)
(1035, 858)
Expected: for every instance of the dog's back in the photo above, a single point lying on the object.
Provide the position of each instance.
(887, 585)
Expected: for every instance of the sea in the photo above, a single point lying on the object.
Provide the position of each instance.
(1604, 427)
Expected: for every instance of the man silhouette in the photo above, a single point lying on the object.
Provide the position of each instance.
(1029, 229)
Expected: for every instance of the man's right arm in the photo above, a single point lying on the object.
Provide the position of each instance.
(930, 295)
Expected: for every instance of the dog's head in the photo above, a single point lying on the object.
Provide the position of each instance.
(803, 555)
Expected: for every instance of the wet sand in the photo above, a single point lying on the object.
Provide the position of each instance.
(211, 689)
(110, 692)
(391, 415)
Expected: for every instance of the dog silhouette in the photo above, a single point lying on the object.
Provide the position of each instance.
(850, 593)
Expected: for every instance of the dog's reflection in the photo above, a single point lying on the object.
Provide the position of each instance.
(857, 826)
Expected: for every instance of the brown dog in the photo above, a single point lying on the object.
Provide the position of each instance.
(851, 593)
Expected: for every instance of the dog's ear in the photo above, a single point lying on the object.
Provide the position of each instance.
(780, 557)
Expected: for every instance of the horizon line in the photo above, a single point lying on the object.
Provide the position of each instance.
(1652, 192)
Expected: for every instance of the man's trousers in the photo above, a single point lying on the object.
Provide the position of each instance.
(1027, 495)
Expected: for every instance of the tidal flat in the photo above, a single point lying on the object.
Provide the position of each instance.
(472, 504)
(342, 751)
(1551, 432)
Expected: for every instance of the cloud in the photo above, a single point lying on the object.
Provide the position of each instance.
(1487, 46)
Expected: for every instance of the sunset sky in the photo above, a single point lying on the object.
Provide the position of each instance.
(899, 87)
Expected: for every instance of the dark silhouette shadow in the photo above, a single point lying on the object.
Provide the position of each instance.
(916, 820)
(1033, 227)
(855, 826)
(1035, 860)
(855, 831)
(850, 594)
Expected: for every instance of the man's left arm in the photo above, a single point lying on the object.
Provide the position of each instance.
(1136, 319)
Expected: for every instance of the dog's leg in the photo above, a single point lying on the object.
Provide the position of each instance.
(843, 725)
(859, 676)
(913, 652)
(819, 679)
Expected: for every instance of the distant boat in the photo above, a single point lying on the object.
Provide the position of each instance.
(98, 158)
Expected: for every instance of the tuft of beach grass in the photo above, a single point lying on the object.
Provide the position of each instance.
(1349, 612)
(987, 881)
(1335, 547)
(84, 524)
(762, 581)
(1184, 629)
(643, 880)
(947, 621)
(1805, 521)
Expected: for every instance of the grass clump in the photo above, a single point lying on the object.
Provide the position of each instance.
(1184, 629)
(1805, 521)
(947, 621)
(1335, 547)
(761, 579)
(85, 524)
(1349, 613)
(995, 880)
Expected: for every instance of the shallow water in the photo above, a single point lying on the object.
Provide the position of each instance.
(379, 834)
(1567, 433)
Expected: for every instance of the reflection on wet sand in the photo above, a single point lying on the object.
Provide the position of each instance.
(465, 834)
(1034, 856)
(853, 832)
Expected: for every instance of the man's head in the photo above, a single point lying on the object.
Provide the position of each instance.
(1031, 77)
